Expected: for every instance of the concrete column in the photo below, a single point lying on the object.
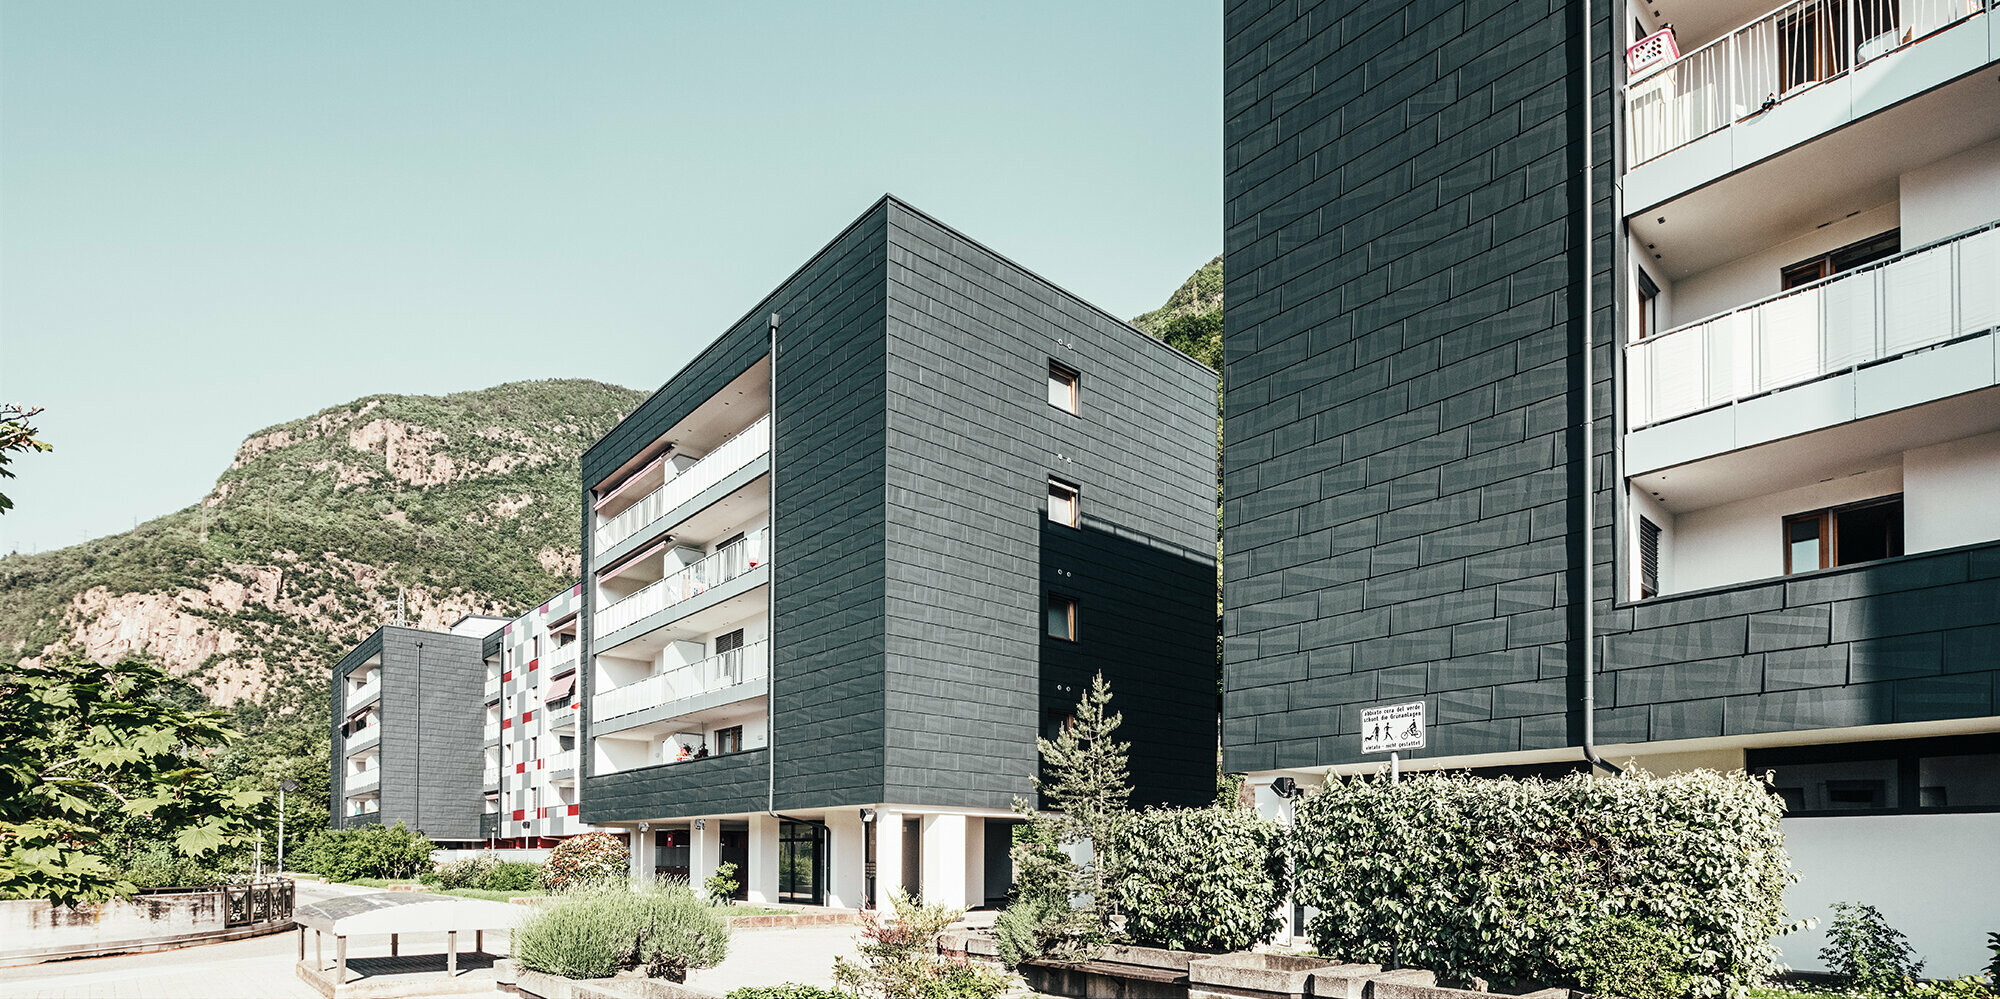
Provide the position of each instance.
(944, 860)
(888, 857)
(641, 861)
(705, 851)
(975, 862)
(763, 873)
(844, 831)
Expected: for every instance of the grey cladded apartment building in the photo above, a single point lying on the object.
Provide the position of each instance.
(1743, 517)
(406, 731)
(843, 568)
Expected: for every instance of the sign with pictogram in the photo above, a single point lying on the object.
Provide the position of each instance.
(1392, 728)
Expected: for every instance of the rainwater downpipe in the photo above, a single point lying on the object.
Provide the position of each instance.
(771, 597)
(1588, 388)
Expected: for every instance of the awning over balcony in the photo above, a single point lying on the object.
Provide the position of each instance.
(559, 691)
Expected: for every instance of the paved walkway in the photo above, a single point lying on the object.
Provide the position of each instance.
(261, 967)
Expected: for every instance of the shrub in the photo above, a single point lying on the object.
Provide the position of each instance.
(1200, 878)
(789, 990)
(366, 852)
(161, 866)
(1028, 929)
(1503, 879)
(666, 929)
(589, 860)
(899, 958)
(1993, 966)
(1867, 954)
(721, 887)
(1633, 959)
(465, 872)
(511, 876)
(1043, 922)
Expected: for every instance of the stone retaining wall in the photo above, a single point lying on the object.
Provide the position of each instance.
(33, 931)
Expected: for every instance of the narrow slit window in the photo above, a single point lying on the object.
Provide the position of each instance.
(1647, 320)
(1062, 618)
(1649, 559)
(1065, 507)
(1062, 387)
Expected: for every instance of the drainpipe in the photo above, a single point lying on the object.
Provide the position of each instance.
(1589, 456)
(771, 598)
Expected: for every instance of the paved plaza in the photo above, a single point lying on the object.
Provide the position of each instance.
(261, 967)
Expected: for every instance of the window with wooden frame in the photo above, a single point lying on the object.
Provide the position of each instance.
(1844, 535)
(1646, 321)
(1846, 258)
(1065, 504)
(1062, 386)
(1062, 618)
(729, 740)
(1649, 559)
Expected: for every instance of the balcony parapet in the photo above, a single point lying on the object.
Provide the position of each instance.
(724, 672)
(718, 568)
(745, 447)
(1918, 299)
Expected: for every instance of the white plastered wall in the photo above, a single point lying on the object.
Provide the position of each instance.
(1952, 195)
(1758, 275)
(1741, 541)
(1948, 494)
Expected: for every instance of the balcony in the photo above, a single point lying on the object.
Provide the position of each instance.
(694, 580)
(560, 658)
(363, 782)
(367, 738)
(723, 672)
(562, 765)
(362, 695)
(1784, 55)
(747, 446)
(492, 686)
(491, 778)
(1918, 299)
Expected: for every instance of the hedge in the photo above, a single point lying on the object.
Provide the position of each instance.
(1508, 879)
(1199, 878)
(365, 852)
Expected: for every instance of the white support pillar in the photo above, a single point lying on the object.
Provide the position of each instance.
(844, 882)
(640, 863)
(975, 862)
(888, 857)
(705, 851)
(763, 874)
(944, 860)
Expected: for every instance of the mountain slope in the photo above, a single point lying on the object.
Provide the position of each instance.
(1191, 319)
(465, 503)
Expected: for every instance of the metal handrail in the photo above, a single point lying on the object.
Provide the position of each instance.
(739, 450)
(717, 672)
(717, 568)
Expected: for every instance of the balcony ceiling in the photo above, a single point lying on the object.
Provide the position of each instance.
(1698, 22)
(1839, 174)
(738, 405)
(1836, 452)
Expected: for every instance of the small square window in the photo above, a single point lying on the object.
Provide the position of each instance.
(729, 740)
(1062, 618)
(1065, 506)
(1062, 387)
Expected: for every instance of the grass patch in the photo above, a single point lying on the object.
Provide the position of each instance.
(381, 882)
(493, 896)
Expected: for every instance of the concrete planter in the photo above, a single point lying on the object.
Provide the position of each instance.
(1354, 981)
(1118, 973)
(1251, 974)
(541, 986)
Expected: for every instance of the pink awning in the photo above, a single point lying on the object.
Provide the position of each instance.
(559, 690)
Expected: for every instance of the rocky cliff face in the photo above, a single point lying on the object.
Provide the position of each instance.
(460, 504)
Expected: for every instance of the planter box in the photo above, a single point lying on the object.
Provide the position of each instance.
(541, 986)
(1352, 981)
(1120, 973)
(1245, 974)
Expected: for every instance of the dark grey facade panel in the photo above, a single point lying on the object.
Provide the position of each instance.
(1404, 225)
(973, 444)
(718, 784)
(432, 717)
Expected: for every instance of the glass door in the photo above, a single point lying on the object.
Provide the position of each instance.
(801, 863)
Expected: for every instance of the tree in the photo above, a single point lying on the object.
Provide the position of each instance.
(85, 749)
(1086, 783)
(16, 434)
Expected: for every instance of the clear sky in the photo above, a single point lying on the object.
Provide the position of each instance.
(215, 217)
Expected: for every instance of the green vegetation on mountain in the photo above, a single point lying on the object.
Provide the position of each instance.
(456, 504)
(1191, 319)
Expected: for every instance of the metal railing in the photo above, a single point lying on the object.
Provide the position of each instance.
(1916, 299)
(1765, 62)
(493, 684)
(364, 739)
(365, 692)
(560, 658)
(732, 454)
(719, 567)
(564, 760)
(263, 902)
(717, 672)
(364, 781)
(491, 778)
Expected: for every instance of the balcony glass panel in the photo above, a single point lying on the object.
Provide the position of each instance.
(718, 568)
(1915, 300)
(734, 453)
(749, 664)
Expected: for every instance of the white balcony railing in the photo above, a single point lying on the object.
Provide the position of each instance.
(564, 760)
(734, 453)
(1926, 296)
(366, 780)
(749, 664)
(493, 684)
(491, 777)
(560, 658)
(366, 738)
(364, 693)
(718, 568)
(1765, 62)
